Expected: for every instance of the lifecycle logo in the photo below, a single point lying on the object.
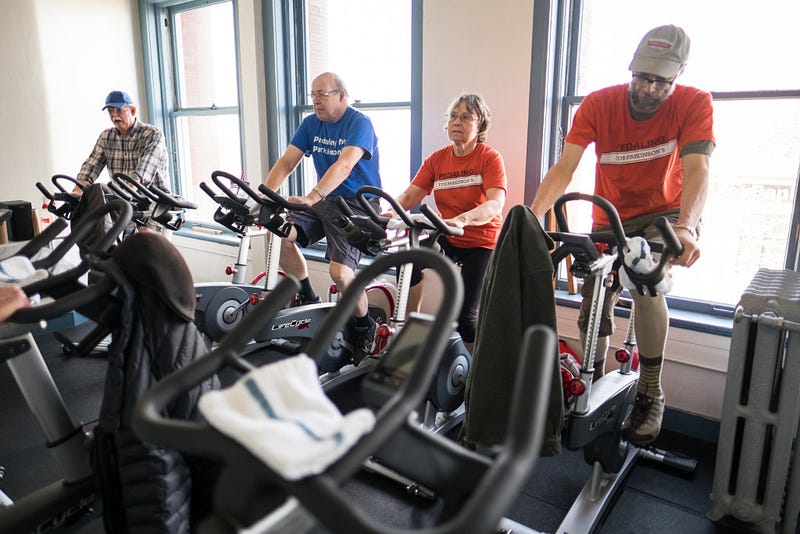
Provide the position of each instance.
(299, 324)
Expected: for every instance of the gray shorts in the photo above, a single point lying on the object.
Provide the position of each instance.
(641, 226)
(312, 228)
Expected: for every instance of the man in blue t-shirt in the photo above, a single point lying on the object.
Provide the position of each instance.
(342, 143)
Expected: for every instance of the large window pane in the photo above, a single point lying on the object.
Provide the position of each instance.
(366, 42)
(750, 50)
(749, 208)
(206, 57)
(205, 118)
(206, 144)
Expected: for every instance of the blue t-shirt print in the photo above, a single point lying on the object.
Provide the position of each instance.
(324, 141)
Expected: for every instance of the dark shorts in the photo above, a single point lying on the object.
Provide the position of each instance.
(641, 226)
(313, 228)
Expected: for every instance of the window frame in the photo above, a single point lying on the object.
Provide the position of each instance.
(157, 20)
(555, 47)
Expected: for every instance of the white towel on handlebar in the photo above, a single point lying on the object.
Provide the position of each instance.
(19, 271)
(638, 257)
(280, 414)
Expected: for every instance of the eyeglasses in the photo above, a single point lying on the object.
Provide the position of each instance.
(644, 81)
(464, 117)
(322, 94)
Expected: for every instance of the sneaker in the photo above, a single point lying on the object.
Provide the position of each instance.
(362, 338)
(300, 300)
(644, 424)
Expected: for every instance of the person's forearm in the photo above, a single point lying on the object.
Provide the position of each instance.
(557, 179)
(481, 214)
(341, 169)
(553, 186)
(277, 175)
(695, 189)
(92, 167)
(334, 176)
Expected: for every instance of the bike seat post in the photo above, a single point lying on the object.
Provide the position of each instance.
(240, 269)
(601, 270)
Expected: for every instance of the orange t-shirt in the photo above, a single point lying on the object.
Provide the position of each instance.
(638, 162)
(459, 183)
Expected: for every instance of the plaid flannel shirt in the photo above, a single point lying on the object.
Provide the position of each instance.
(142, 155)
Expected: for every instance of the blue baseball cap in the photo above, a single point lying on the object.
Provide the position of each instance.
(117, 99)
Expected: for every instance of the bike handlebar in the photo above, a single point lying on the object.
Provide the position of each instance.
(434, 221)
(154, 193)
(279, 200)
(58, 178)
(70, 200)
(241, 184)
(672, 245)
(84, 296)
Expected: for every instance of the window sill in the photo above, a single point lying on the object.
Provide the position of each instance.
(211, 232)
(686, 319)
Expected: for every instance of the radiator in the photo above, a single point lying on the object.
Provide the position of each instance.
(757, 470)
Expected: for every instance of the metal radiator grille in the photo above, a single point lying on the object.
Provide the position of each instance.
(757, 471)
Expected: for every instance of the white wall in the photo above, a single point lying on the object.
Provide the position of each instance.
(475, 45)
(59, 61)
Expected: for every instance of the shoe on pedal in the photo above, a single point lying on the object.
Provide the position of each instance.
(644, 424)
(302, 300)
(362, 338)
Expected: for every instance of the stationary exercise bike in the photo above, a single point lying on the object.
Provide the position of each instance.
(374, 234)
(598, 409)
(475, 490)
(61, 202)
(148, 204)
(67, 500)
(295, 325)
(151, 203)
(220, 305)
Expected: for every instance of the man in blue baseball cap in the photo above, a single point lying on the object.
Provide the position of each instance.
(131, 147)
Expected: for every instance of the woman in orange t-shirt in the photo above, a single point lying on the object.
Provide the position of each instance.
(468, 181)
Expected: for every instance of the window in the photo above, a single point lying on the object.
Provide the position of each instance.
(368, 43)
(195, 45)
(751, 210)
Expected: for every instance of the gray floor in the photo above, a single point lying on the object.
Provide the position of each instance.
(653, 498)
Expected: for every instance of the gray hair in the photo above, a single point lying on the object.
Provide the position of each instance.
(475, 104)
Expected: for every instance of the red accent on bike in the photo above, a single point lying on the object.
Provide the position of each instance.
(230, 270)
(576, 387)
(622, 355)
(564, 348)
(382, 335)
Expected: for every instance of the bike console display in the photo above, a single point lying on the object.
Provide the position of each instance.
(394, 367)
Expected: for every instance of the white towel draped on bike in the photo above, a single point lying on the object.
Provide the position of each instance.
(19, 271)
(280, 414)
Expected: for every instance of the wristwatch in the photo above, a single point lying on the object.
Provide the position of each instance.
(689, 228)
(318, 190)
